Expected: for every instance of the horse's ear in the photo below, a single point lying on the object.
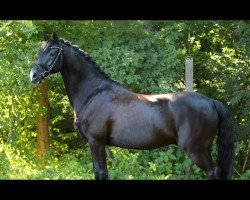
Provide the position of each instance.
(55, 37)
(46, 37)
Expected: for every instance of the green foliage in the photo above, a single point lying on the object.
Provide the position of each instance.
(170, 163)
(144, 56)
(242, 34)
(17, 96)
(147, 58)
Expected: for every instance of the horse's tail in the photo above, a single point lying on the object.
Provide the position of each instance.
(225, 141)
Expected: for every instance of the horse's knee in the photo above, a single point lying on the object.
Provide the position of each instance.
(101, 174)
(214, 173)
(99, 159)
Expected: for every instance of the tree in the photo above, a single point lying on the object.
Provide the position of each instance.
(42, 120)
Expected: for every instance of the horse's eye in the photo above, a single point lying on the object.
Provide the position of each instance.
(52, 53)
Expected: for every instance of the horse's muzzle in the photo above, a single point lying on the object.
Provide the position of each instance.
(35, 77)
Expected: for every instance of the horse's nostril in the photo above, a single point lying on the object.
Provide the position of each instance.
(34, 75)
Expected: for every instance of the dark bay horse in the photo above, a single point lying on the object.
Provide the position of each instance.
(106, 113)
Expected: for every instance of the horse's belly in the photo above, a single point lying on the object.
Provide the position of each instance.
(141, 126)
(138, 137)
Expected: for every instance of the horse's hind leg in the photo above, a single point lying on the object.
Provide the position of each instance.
(202, 158)
(99, 159)
(199, 151)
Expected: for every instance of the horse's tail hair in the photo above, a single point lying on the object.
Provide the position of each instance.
(225, 141)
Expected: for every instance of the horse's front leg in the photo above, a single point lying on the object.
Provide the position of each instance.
(99, 159)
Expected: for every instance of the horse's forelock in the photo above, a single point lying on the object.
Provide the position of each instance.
(43, 48)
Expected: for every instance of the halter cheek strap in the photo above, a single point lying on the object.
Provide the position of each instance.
(46, 73)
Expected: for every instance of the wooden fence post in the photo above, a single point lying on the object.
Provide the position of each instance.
(189, 74)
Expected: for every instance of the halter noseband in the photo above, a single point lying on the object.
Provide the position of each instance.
(52, 65)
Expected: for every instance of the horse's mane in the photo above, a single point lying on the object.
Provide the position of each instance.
(88, 58)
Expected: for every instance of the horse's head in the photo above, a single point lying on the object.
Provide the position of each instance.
(49, 59)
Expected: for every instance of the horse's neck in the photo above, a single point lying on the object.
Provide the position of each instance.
(80, 79)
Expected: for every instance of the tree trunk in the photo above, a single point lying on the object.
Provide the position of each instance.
(42, 121)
